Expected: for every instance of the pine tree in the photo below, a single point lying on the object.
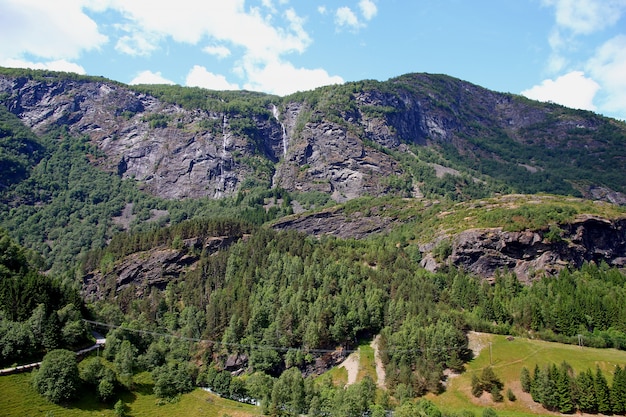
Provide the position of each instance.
(477, 388)
(618, 391)
(489, 379)
(550, 396)
(536, 385)
(586, 392)
(603, 394)
(525, 379)
(564, 391)
(496, 395)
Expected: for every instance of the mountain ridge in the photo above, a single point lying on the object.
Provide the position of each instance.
(362, 138)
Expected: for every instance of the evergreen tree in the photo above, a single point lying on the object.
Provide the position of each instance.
(510, 395)
(52, 332)
(550, 398)
(496, 395)
(489, 380)
(525, 379)
(564, 390)
(477, 388)
(618, 391)
(537, 386)
(586, 392)
(603, 393)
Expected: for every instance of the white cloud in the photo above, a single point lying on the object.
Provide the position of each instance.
(200, 77)
(282, 78)
(608, 66)
(345, 17)
(189, 21)
(53, 30)
(219, 51)
(58, 65)
(137, 43)
(573, 89)
(368, 9)
(149, 77)
(321, 9)
(586, 16)
(63, 30)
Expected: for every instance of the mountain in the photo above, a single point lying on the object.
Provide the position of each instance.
(243, 241)
(414, 135)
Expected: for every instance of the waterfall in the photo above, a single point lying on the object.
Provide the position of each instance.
(223, 156)
(285, 138)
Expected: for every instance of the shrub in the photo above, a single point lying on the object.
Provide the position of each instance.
(58, 379)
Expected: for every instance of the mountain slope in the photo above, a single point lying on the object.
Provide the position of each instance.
(364, 138)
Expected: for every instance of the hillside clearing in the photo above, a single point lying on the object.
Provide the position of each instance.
(507, 358)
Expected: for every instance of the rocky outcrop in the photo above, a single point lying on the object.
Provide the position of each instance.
(531, 254)
(154, 268)
(335, 222)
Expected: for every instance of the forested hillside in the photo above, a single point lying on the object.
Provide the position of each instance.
(248, 243)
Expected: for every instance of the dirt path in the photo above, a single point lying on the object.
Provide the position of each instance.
(351, 364)
(380, 369)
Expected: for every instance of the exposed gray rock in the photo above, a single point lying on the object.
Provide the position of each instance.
(149, 269)
(335, 222)
(531, 254)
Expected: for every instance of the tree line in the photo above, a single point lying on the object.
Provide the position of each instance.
(37, 313)
(559, 388)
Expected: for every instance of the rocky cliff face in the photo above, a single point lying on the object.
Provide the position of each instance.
(338, 140)
(162, 145)
(155, 268)
(530, 254)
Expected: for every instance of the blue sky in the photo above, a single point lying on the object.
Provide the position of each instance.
(571, 52)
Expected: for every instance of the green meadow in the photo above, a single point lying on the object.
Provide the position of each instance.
(507, 358)
(19, 399)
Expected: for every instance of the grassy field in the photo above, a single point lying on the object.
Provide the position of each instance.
(507, 359)
(18, 399)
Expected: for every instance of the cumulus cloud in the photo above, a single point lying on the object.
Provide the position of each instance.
(50, 30)
(58, 65)
(149, 77)
(200, 77)
(221, 21)
(218, 51)
(345, 17)
(608, 66)
(586, 16)
(137, 43)
(282, 78)
(605, 86)
(368, 9)
(263, 36)
(573, 89)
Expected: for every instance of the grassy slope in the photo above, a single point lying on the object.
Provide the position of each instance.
(508, 358)
(19, 399)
